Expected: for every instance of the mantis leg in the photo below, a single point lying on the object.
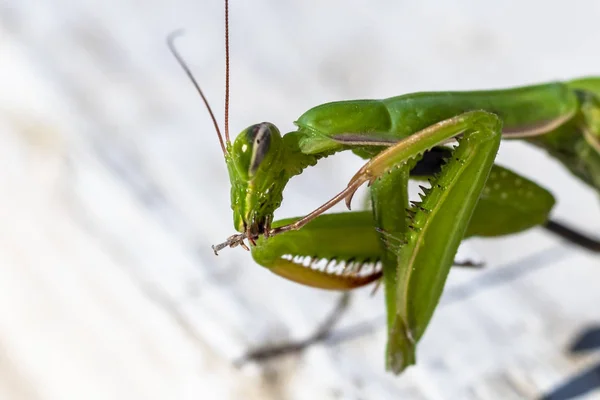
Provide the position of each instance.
(572, 236)
(435, 227)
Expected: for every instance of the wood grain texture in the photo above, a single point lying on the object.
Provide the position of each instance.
(114, 188)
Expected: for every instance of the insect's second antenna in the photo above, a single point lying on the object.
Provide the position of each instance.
(227, 70)
(171, 43)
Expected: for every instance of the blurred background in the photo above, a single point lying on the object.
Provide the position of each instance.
(114, 187)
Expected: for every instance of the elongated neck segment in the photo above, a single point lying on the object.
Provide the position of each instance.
(297, 158)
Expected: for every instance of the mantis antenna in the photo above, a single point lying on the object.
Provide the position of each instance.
(171, 43)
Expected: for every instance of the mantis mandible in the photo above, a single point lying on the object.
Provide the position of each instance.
(448, 139)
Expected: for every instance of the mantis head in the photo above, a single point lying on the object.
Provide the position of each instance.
(255, 163)
(260, 163)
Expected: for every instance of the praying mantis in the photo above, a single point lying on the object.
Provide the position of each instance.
(447, 140)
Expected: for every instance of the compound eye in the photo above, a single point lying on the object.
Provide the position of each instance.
(260, 136)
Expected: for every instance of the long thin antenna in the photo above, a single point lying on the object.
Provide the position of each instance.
(227, 70)
(171, 43)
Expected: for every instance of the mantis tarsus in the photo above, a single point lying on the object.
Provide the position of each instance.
(410, 246)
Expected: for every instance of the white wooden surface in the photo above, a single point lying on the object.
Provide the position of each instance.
(113, 188)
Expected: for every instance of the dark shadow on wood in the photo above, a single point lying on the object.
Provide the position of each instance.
(579, 385)
(491, 278)
(588, 340)
(269, 352)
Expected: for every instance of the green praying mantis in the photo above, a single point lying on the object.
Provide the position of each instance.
(447, 140)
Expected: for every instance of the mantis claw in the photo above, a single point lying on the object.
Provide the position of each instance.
(232, 241)
(357, 181)
(250, 238)
(348, 199)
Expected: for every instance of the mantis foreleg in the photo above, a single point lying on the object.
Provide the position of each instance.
(437, 225)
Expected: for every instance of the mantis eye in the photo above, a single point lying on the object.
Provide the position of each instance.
(260, 137)
(255, 149)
